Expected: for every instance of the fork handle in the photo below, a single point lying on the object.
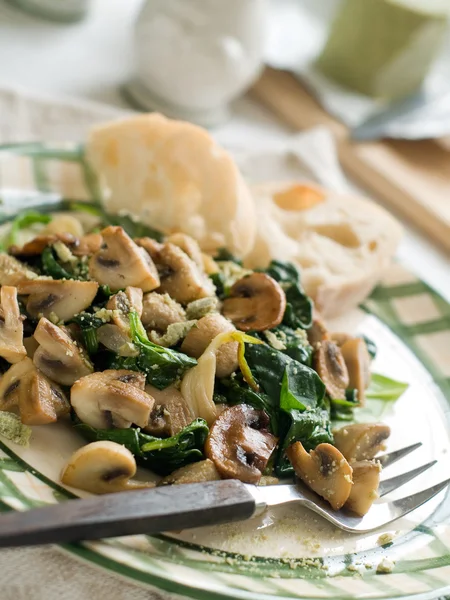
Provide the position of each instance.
(148, 511)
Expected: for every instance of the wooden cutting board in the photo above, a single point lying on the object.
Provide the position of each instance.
(411, 177)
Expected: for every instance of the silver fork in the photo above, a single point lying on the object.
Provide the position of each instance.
(186, 506)
(379, 515)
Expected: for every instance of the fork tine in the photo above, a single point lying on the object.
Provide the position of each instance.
(389, 459)
(388, 485)
(405, 505)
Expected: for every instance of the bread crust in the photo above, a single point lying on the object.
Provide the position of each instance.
(342, 244)
(175, 177)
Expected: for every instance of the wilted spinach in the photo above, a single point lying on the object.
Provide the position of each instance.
(299, 306)
(295, 342)
(134, 228)
(162, 366)
(299, 393)
(161, 455)
(224, 254)
(88, 324)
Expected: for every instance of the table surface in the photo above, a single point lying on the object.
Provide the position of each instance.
(93, 59)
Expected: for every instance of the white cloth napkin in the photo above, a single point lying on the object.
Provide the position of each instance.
(47, 573)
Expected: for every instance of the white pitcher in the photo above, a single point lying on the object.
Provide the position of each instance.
(193, 57)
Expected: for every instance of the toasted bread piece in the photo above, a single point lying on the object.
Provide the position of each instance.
(174, 177)
(341, 243)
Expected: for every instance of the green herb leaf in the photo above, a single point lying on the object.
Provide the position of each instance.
(89, 325)
(161, 455)
(299, 306)
(296, 395)
(51, 267)
(385, 388)
(162, 366)
(224, 254)
(134, 228)
(295, 342)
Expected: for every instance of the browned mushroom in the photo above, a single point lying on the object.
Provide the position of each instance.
(11, 326)
(13, 272)
(255, 303)
(26, 390)
(318, 332)
(38, 244)
(58, 356)
(361, 441)
(170, 413)
(160, 311)
(180, 277)
(121, 263)
(329, 364)
(324, 470)
(357, 361)
(239, 443)
(188, 245)
(122, 304)
(366, 479)
(339, 338)
(104, 400)
(198, 472)
(57, 299)
(151, 246)
(200, 336)
(87, 244)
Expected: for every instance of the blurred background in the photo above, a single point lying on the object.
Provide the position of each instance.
(375, 73)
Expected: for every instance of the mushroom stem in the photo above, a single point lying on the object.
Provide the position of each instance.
(324, 470)
(11, 326)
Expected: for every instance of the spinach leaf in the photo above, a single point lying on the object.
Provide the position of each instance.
(342, 409)
(299, 306)
(310, 427)
(224, 254)
(218, 280)
(301, 389)
(298, 396)
(51, 267)
(133, 227)
(385, 388)
(162, 366)
(295, 342)
(89, 325)
(161, 455)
